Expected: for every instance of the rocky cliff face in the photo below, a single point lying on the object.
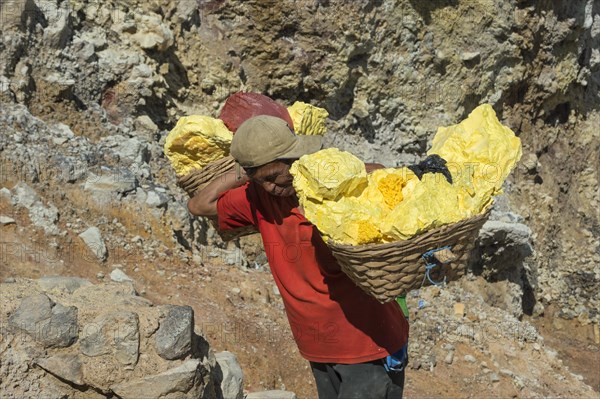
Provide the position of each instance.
(90, 89)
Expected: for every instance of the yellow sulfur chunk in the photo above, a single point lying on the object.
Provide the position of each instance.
(195, 142)
(385, 186)
(480, 151)
(327, 174)
(308, 119)
(347, 220)
(433, 202)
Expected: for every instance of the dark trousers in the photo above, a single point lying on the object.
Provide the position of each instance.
(357, 381)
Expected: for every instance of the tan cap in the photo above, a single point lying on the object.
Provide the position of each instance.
(264, 138)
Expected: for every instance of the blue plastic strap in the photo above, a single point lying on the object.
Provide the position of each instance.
(397, 361)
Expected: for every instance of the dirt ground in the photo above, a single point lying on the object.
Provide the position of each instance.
(240, 311)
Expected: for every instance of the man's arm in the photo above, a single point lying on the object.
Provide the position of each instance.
(204, 202)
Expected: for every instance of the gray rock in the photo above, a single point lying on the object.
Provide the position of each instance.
(62, 130)
(231, 376)
(470, 359)
(156, 199)
(61, 81)
(449, 358)
(506, 372)
(509, 233)
(66, 367)
(275, 394)
(144, 123)
(235, 256)
(83, 50)
(4, 220)
(117, 61)
(173, 339)
(119, 276)
(113, 333)
(184, 381)
(530, 162)
(24, 195)
(44, 217)
(68, 284)
(95, 36)
(117, 181)
(5, 92)
(40, 215)
(132, 149)
(494, 377)
(47, 322)
(153, 34)
(58, 30)
(470, 56)
(59, 140)
(5, 192)
(186, 11)
(93, 239)
(67, 169)
(140, 195)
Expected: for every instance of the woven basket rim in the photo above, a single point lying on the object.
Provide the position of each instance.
(413, 240)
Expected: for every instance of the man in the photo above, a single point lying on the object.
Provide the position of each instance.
(348, 337)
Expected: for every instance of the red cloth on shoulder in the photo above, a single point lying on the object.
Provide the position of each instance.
(332, 320)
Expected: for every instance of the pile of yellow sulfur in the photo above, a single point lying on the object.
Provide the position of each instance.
(351, 207)
(198, 140)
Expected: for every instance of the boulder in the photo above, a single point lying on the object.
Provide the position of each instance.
(93, 239)
(153, 34)
(118, 181)
(173, 339)
(115, 334)
(65, 366)
(231, 376)
(43, 216)
(119, 276)
(178, 382)
(49, 323)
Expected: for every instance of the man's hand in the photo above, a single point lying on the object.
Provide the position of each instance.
(204, 202)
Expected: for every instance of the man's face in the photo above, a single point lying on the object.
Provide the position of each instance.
(275, 178)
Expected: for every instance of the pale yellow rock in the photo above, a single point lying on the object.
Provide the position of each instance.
(329, 173)
(347, 220)
(196, 141)
(308, 119)
(385, 186)
(480, 151)
(459, 309)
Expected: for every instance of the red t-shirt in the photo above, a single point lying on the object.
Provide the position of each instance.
(332, 320)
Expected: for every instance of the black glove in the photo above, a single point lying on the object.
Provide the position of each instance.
(432, 164)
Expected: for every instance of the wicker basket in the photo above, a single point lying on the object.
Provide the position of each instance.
(386, 271)
(197, 179)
